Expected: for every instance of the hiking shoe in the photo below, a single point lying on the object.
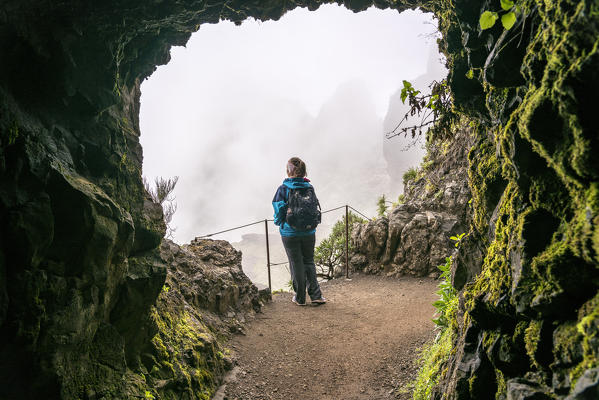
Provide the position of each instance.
(322, 300)
(295, 301)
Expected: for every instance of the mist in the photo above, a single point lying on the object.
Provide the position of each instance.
(237, 102)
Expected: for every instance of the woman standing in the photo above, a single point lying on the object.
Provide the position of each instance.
(299, 241)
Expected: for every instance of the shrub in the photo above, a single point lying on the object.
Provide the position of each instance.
(329, 254)
(447, 296)
(161, 194)
(409, 175)
(382, 206)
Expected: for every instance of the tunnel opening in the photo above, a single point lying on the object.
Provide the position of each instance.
(231, 107)
(71, 131)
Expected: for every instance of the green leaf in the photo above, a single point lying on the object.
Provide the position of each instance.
(507, 4)
(407, 88)
(487, 20)
(470, 74)
(508, 20)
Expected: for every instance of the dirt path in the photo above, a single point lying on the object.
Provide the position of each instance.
(360, 345)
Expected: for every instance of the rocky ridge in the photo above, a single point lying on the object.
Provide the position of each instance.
(414, 237)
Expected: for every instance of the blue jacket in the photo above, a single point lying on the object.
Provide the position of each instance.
(279, 203)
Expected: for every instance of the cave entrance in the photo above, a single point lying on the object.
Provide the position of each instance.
(233, 105)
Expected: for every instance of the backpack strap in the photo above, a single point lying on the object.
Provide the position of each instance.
(317, 201)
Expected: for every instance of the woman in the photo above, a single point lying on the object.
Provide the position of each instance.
(298, 243)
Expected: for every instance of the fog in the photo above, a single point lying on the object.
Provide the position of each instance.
(232, 106)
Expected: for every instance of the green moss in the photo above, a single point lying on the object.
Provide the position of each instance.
(409, 175)
(588, 228)
(433, 360)
(13, 133)
(532, 337)
(427, 165)
(549, 267)
(534, 169)
(435, 355)
(495, 279)
(501, 385)
(588, 328)
(185, 352)
(566, 340)
(484, 173)
(429, 187)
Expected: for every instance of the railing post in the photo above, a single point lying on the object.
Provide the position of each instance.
(346, 241)
(267, 254)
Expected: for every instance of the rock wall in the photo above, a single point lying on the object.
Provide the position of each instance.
(414, 238)
(527, 325)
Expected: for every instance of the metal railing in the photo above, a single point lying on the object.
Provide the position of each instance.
(266, 221)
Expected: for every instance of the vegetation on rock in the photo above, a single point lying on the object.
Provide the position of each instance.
(434, 110)
(162, 193)
(414, 235)
(532, 178)
(409, 175)
(381, 206)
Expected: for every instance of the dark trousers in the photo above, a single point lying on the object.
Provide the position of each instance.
(300, 252)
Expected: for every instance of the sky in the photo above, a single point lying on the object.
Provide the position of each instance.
(234, 104)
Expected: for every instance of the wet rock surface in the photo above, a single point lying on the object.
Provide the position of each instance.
(529, 270)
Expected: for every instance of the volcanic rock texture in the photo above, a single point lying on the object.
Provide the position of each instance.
(527, 325)
(414, 238)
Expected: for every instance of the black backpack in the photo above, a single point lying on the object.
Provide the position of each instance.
(303, 209)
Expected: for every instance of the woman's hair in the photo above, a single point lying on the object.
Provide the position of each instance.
(296, 168)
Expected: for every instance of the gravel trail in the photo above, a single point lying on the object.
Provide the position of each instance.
(361, 345)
